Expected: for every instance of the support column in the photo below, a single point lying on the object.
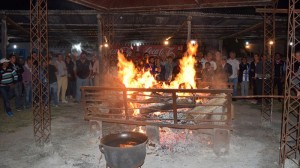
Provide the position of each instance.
(3, 36)
(100, 48)
(189, 26)
(268, 64)
(40, 85)
(290, 130)
(108, 34)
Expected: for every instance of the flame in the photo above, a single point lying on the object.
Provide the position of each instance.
(139, 129)
(136, 112)
(134, 78)
(187, 69)
(131, 77)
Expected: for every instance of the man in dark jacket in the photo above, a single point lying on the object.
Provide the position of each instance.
(83, 71)
(278, 74)
(18, 87)
(223, 71)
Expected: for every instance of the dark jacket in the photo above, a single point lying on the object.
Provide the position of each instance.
(279, 69)
(224, 72)
(243, 67)
(252, 69)
(70, 69)
(83, 69)
(19, 70)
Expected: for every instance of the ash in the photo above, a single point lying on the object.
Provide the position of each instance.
(180, 141)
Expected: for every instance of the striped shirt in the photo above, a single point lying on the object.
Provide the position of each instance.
(8, 76)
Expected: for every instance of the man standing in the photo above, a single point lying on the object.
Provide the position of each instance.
(71, 89)
(14, 63)
(253, 65)
(244, 76)
(83, 67)
(62, 78)
(8, 76)
(226, 70)
(278, 74)
(235, 68)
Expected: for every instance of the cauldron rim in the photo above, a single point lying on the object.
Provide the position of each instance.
(142, 138)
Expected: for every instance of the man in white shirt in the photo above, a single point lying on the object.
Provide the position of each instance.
(235, 68)
(62, 78)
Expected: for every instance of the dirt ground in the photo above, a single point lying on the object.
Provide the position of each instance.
(72, 145)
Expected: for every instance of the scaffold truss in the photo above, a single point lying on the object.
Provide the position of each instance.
(40, 84)
(290, 131)
(268, 64)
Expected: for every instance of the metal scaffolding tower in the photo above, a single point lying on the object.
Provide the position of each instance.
(108, 32)
(290, 131)
(268, 64)
(40, 84)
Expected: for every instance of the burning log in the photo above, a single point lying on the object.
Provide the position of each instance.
(155, 107)
(200, 113)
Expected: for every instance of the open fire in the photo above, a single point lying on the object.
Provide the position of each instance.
(144, 101)
(133, 78)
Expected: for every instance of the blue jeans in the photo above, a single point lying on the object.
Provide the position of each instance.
(28, 94)
(71, 90)
(235, 82)
(244, 88)
(6, 95)
(53, 93)
(18, 95)
(80, 82)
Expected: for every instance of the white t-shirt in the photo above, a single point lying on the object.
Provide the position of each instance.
(235, 67)
(61, 69)
(212, 64)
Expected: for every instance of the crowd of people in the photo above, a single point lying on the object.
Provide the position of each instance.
(64, 75)
(67, 74)
(245, 75)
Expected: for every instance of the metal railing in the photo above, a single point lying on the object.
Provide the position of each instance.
(176, 108)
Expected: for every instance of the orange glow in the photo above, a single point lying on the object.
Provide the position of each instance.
(139, 129)
(136, 112)
(131, 77)
(187, 69)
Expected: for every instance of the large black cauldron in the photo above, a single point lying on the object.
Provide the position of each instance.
(124, 150)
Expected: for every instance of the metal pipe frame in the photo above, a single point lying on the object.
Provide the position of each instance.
(40, 88)
(290, 128)
(268, 65)
(93, 95)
